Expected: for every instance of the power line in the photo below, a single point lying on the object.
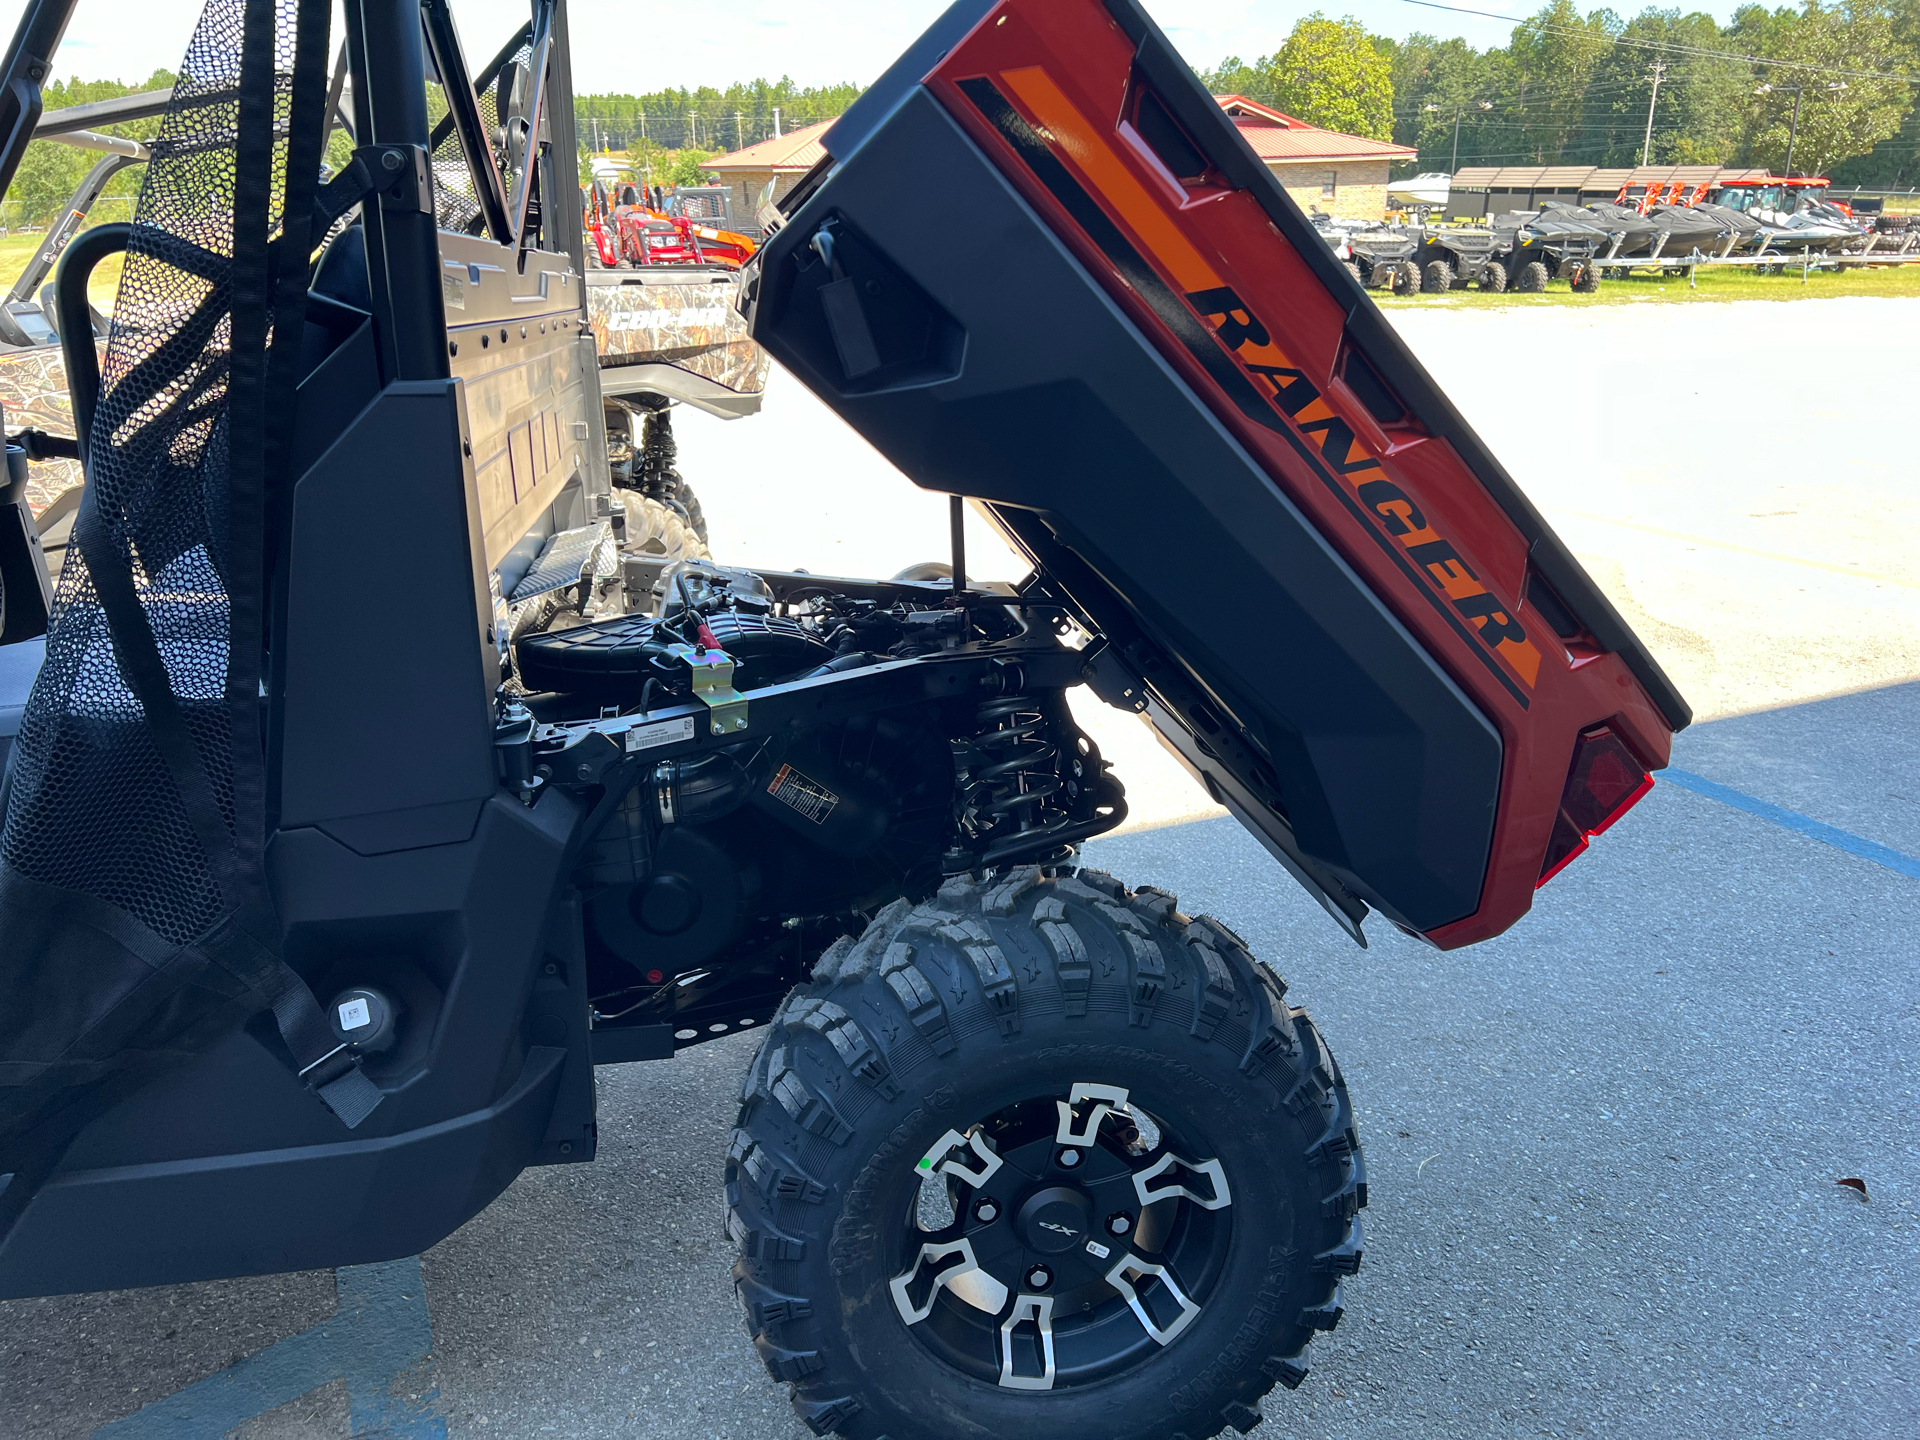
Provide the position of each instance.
(1672, 47)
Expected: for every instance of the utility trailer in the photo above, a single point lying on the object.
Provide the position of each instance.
(321, 924)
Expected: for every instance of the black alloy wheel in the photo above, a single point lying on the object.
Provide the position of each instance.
(1072, 1243)
(1041, 1157)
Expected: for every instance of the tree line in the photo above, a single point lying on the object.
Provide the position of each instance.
(1567, 88)
(705, 119)
(1578, 89)
(50, 172)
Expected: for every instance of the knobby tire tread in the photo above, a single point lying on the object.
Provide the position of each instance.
(883, 1016)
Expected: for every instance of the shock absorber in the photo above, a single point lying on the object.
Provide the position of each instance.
(1034, 783)
(1020, 773)
(654, 472)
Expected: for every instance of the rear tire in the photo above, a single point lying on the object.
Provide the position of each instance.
(1532, 279)
(1493, 279)
(941, 1047)
(1586, 278)
(1354, 271)
(1406, 278)
(1438, 278)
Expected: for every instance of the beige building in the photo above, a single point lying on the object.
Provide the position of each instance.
(1340, 175)
(783, 160)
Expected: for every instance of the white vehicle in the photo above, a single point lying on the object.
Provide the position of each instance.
(1429, 188)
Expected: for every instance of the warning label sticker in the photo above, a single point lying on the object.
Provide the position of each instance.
(809, 797)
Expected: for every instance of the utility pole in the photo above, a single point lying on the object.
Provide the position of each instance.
(1458, 111)
(1658, 71)
(1793, 128)
(1793, 125)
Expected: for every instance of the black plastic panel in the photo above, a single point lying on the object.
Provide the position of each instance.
(386, 676)
(1387, 771)
(1215, 133)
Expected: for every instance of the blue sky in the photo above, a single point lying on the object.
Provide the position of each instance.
(635, 45)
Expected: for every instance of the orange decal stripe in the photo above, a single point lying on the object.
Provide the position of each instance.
(1111, 179)
(1521, 655)
(1070, 132)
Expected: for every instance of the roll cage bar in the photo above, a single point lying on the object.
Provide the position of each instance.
(389, 59)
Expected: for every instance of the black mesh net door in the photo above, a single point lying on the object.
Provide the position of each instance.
(133, 906)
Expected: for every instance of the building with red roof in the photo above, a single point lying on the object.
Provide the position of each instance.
(783, 160)
(1337, 174)
(1341, 175)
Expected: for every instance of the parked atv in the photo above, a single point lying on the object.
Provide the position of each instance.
(320, 925)
(1452, 255)
(1383, 258)
(1553, 243)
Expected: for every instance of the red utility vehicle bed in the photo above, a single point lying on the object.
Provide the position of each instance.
(1041, 268)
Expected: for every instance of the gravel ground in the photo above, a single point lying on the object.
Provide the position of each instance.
(1603, 1148)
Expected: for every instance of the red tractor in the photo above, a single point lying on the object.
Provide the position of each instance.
(602, 248)
(645, 236)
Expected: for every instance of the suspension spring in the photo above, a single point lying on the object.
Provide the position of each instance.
(654, 473)
(1021, 773)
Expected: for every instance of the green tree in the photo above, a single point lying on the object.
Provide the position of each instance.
(1843, 112)
(684, 167)
(706, 118)
(1572, 88)
(50, 172)
(1329, 74)
(1550, 62)
(1433, 82)
(1697, 114)
(1895, 161)
(1234, 76)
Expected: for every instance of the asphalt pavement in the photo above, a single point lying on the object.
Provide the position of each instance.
(1604, 1149)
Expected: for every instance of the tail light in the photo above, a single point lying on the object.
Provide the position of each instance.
(1605, 782)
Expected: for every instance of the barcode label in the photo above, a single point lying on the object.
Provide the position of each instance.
(664, 732)
(809, 797)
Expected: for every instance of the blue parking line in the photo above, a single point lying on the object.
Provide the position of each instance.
(1897, 861)
(380, 1342)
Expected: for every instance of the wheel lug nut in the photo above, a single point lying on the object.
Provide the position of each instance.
(1119, 1224)
(1039, 1278)
(986, 1212)
(1069, 1157)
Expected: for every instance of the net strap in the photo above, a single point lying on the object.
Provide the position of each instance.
(269, 288)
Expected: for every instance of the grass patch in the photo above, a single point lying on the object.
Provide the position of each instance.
(1713, 287)
(17, 249)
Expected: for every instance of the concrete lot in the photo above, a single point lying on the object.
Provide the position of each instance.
(1603, 1147)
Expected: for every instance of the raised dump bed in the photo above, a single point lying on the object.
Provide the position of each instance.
(1040, 268)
